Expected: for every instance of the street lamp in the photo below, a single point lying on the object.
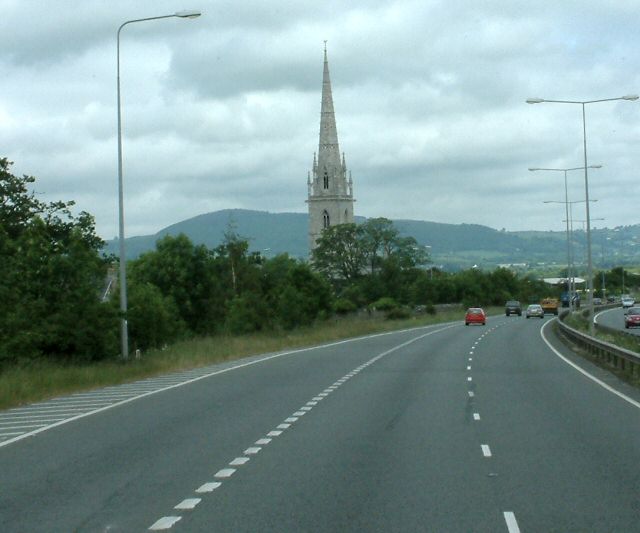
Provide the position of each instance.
(586, 182)
(123, 260)
(569, 223)
(566, 202)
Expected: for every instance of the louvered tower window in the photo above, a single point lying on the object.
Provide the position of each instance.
(325, 220)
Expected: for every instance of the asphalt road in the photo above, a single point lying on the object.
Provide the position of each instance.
(447, 428)
(614, 318)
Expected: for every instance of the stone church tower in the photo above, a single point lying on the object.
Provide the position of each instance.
(330, 192)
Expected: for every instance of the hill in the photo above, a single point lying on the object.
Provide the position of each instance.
(453, 246)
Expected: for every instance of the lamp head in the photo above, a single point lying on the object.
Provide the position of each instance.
(630, 97)
(535, 100)
(595, 166)
(533, 169)
(188, 14)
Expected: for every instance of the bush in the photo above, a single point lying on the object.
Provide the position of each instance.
(385, 304)
(398, 313)
(342, 306)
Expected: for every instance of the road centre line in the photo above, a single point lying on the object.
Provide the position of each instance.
(208, 487)
(512, 524)
(225, 370)
(584, 372)
(166, 522)
(188, 504)
(227, 472)
(476, 416)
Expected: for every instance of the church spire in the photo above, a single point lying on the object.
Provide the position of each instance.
(330, 189)
(328, 150)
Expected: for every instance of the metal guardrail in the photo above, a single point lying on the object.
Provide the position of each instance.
(621, 359)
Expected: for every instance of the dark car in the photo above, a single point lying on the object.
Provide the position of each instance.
(475, 315)
(513, 307)
(632, 318)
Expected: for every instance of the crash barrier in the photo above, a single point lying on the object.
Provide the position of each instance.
(621, 359)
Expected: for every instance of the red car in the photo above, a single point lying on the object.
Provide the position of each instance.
(475, 315)
(632, 317)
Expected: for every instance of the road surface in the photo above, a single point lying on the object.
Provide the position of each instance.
(442, 429)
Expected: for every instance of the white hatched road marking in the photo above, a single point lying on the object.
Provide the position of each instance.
(135, 391)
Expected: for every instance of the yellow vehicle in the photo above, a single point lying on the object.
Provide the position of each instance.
(550, 305)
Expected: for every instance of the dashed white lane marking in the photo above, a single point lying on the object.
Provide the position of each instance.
(512, 524)
(208, 487)
(291, 419)
(471, 394)
(470, 358)
(166, 522)
(468, 367)
(469, 378)
(188, 504)
(252, 451)
(476, 416)
(486, 451)
(283, 426)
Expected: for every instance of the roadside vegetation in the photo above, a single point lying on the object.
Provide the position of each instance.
(189, 305)
(44, 379)
(580, 322)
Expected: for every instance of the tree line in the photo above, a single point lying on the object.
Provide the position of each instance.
(53, 273)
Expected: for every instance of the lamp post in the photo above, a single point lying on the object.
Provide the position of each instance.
(566, 202)
(569, 222)
(124, 337)
(586, 181)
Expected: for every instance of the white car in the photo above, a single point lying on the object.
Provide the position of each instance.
(627, 301)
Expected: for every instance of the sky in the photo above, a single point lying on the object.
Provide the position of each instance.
(223, 111)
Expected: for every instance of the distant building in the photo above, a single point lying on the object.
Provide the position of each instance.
(330, 193)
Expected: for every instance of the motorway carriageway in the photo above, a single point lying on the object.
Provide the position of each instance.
(441, 428)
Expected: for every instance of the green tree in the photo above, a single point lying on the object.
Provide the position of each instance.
(340, 254)
(51, 275)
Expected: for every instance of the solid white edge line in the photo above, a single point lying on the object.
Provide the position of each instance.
(584, 372)
(512, 524)
(223, 371)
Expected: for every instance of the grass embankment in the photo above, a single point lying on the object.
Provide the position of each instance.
(42, 380)
(580, 322)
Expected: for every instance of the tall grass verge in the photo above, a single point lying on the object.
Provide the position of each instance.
(42, 380)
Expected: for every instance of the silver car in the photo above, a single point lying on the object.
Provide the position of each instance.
(534, 310)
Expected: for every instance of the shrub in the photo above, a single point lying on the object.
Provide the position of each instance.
(342, 306)
(385, 304)
(398, 313)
